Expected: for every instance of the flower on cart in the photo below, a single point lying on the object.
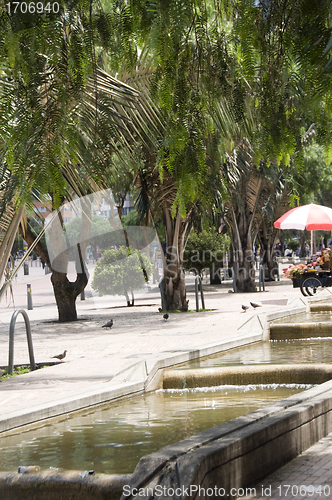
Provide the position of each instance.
(293, 271)
(326, 252)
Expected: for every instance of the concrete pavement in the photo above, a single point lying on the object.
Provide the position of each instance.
(102, 365)
(307, 476)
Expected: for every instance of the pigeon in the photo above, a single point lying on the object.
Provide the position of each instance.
(109, 324)
(166, 316)
(160, 309)
(60, 356)
(254, 305)
(245, 308)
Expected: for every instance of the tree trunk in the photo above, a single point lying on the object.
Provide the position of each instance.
(244, 270)
(66, 292)
(243, 254)
(267, 238)
(129, 304)
(174, 277)
(304, 236)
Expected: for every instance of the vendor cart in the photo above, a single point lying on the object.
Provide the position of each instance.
(310, 282)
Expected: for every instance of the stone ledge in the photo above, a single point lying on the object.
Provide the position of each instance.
(243, 375)
(55, 485)
(241, 452)
(286, 331)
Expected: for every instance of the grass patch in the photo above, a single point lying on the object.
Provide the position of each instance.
(17, 370)
(189, 311)
(201, 310)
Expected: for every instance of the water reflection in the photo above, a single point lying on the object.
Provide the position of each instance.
(312, 317)
(113, 439)
(275, 352)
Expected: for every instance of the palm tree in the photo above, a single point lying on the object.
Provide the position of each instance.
(61, 120)
(166, 192)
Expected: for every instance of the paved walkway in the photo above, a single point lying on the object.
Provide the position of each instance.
(104, 364)
(307, 476)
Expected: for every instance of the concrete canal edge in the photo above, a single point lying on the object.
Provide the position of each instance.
(246, 375)
(55, 485)
(236, 454)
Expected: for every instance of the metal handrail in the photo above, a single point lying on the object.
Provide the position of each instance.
(11, 340)
(199, 285)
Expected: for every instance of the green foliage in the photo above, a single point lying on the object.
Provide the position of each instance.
(19, 370)
(293, 245)
(102, 234)
(203, 249)
(314, 176)
(121, 271)
(58, 133)
(131, 219)
(43, 73)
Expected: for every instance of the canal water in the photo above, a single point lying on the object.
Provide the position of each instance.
(111, 439)
(277, 352)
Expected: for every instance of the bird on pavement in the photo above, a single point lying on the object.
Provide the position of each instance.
(109, 324)
(60, 356)
(166, 316)
(254, 305)
(160, 309)
(245, 308)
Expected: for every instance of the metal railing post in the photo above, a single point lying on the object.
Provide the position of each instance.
(11, 340)
(161, 288)
(29, 297)
(202, 296)
(234, 280)
(196, 293)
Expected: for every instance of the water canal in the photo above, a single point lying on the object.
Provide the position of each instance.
(112, 438)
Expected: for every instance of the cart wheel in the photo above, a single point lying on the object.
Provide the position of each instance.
(309, 286)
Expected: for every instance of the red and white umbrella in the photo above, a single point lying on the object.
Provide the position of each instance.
(311, 217)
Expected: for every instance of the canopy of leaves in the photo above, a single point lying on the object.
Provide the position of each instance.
(102, 234)
(120, 271)
(203, 249)
(59, 120)
(314, 177)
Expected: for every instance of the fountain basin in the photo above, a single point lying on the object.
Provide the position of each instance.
(239, 453)
(315, 324)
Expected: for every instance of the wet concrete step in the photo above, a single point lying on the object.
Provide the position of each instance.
(321, 306)
(244, 375)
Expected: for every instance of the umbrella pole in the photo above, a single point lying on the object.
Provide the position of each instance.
(312, 243)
